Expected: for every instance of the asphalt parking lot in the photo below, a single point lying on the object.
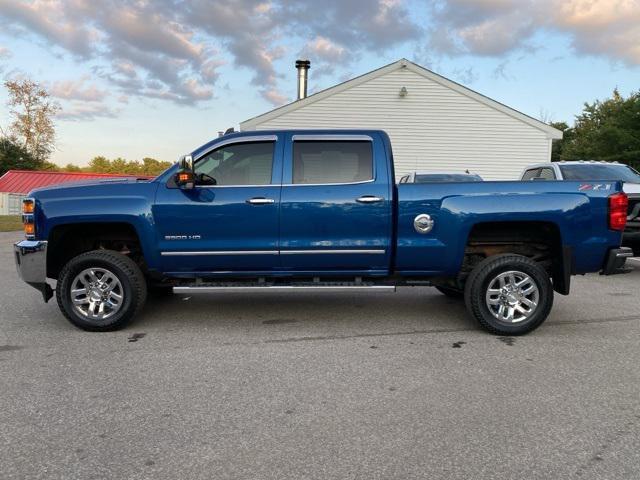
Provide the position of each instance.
(321, 386)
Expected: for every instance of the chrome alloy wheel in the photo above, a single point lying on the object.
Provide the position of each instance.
(512, 297)
(96, 293)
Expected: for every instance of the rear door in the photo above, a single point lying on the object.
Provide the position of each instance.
(336, 205)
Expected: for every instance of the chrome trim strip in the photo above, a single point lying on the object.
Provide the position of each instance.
(325, 184)
(253, 138)
(238, 186)
(283, 288)
(219, 252)
(334, 252)
(624, 254)
(273, 252)
(332, 138)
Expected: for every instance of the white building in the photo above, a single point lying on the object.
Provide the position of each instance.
(434, 123)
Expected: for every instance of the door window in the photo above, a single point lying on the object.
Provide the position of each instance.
(324, 162)
(237, 164)
(531, 174)
(547, 174)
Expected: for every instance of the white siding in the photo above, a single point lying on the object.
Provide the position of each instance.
(11, 203)
(432, 128)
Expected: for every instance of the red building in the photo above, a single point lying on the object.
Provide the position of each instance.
(15, 184)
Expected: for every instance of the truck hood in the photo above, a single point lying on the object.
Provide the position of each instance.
(88, 184)
(631, 188)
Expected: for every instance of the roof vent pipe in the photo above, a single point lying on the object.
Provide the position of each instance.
(303, 77)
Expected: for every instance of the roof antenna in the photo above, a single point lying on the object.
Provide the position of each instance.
(229, 130)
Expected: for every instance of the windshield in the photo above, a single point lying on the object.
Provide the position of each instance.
(600, 172)
(446, 177)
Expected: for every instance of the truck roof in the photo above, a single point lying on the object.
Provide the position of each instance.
(573, 162)
(319, 131)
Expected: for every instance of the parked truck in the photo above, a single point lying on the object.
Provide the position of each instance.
(291, 210)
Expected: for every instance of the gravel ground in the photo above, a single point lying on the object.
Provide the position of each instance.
(321, 386)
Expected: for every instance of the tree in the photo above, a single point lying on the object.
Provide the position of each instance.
(32, 111)
(557, 147)
(606, 130)
(148, 167)
(70, 167)
(151, 166)
(99, 165)
(14, 156)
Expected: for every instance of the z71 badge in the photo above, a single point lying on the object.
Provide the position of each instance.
(594, 186)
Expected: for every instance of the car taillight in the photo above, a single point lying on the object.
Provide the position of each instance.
(618, 205)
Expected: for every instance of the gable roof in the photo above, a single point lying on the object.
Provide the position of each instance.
(402, 63)
(23, 181)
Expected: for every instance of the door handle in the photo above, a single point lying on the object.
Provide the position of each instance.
(369, 199)
(260, 201)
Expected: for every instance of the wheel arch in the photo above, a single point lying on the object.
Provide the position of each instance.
(541, 241)
(68, 240)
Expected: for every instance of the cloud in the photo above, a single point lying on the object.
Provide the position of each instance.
(5, 53)
(134, 44)
(78, 111)
(77, 90)
(361, 24)
(248, 31)
(50, 20)
(174, 49)
(607, 28)
(466, 76)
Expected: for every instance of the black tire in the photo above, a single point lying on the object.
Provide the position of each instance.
(131, 278)
(489, 269)
(451, 292)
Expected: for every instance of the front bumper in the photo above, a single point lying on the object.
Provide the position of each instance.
(31, 263)
(616, 259)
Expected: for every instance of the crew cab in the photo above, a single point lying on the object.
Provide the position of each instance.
(593, 172)
(319, 209)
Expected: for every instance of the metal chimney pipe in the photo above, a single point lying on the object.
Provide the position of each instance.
(303, 67)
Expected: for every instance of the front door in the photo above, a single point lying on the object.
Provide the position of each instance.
(229, 221)
(336, 204)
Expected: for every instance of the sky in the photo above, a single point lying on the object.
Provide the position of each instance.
(137, 78)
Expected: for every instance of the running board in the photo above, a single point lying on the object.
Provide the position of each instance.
(282, 288)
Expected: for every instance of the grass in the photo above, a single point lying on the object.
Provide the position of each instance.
(10, 223)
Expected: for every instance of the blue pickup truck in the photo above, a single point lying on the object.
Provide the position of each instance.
(319, 209)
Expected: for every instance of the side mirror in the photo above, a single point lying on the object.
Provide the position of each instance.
(185, 177)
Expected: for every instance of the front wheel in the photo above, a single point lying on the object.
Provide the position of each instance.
(509, 294)
(101, 290)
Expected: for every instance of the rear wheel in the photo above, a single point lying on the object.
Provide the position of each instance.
(101, 290)
(509, 294)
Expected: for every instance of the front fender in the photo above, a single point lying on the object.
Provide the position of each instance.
(127, 203)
